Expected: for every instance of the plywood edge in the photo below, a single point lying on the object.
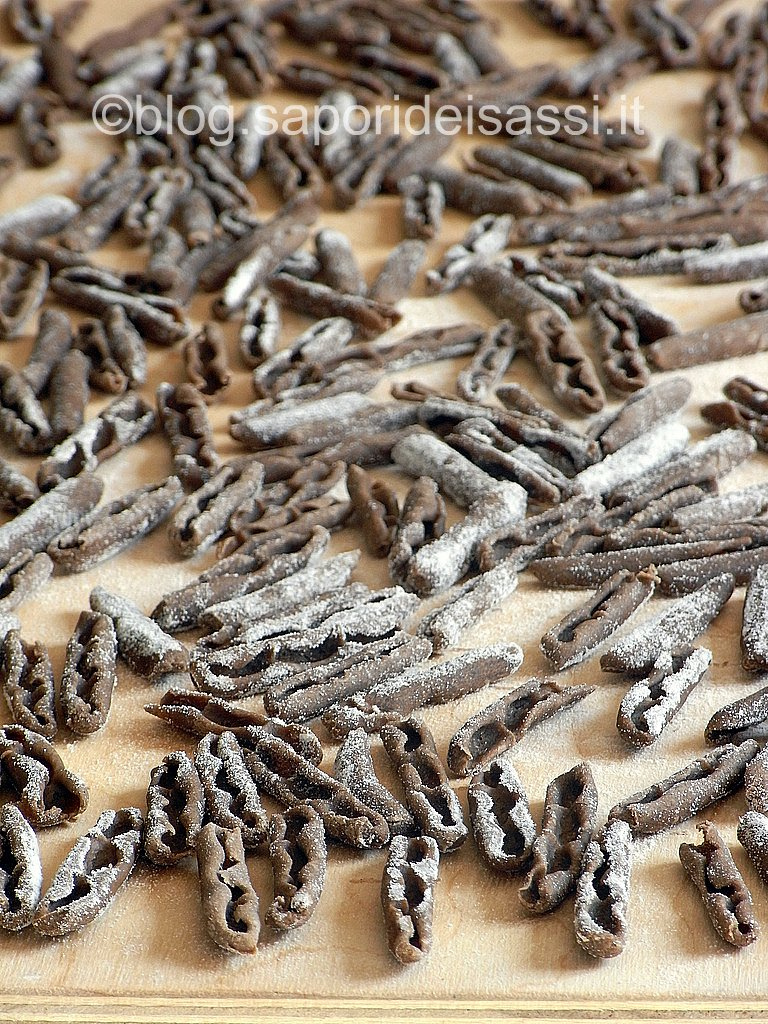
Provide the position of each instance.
(283, 1010)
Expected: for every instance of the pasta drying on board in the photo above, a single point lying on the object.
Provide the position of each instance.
(468, 500)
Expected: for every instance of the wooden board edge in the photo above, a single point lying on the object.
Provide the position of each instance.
(285, 1010)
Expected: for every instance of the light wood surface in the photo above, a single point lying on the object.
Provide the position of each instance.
(148, 958)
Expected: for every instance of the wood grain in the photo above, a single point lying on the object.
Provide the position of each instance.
(392, 1011)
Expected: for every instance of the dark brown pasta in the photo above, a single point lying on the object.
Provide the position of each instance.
(230, 904)
(408, 896)
(566, 830)
(89, 675)
(27, 683)
(91, 874)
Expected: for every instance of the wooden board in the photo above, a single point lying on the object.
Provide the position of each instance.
(149, 959)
